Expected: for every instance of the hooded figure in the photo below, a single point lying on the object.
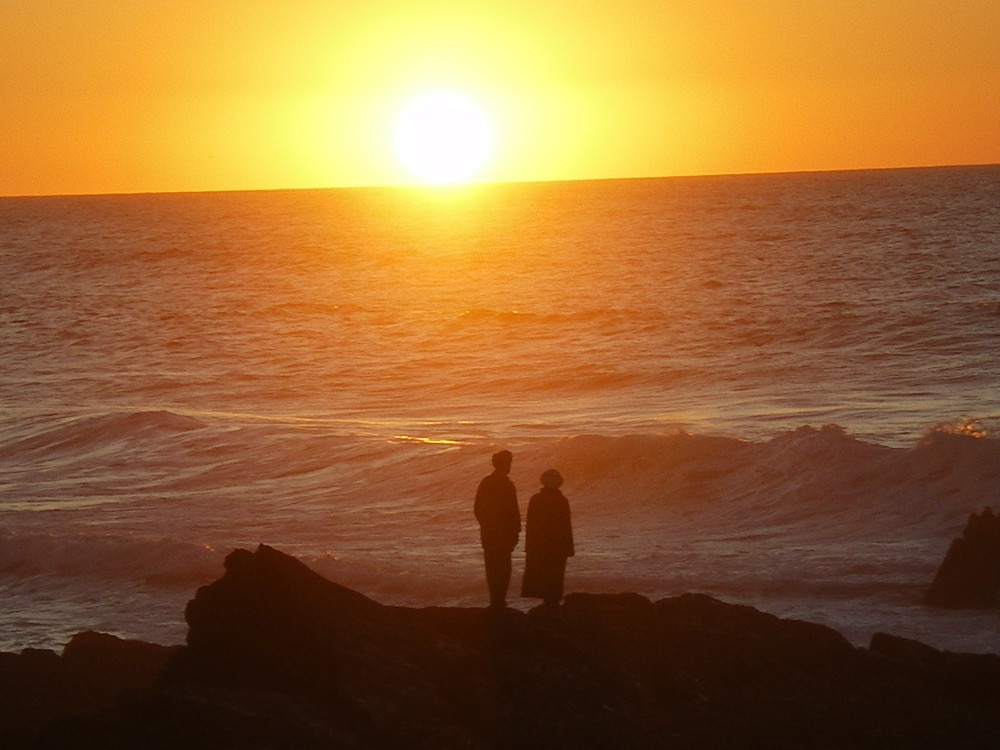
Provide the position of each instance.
(548, 541)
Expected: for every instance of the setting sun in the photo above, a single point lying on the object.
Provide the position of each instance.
(443, 138)
(235, 95)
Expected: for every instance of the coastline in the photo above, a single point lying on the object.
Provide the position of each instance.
(278, 656)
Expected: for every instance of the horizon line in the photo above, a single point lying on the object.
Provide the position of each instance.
(485, 183)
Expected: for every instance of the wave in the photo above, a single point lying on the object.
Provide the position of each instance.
(160, 562)
(823, 480)
(150, 477)
(808, 476)
(589, 318)
(80, 434)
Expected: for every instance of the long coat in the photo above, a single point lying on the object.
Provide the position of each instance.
(548, 541)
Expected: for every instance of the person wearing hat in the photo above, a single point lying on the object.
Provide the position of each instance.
(548, 542)
(499, 526)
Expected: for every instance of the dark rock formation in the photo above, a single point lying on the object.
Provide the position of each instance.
(37, 686)
(969, 575)
(278, 657)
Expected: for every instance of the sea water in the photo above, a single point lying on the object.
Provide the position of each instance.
(780, 390)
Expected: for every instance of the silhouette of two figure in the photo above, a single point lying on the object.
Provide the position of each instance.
(548, 534)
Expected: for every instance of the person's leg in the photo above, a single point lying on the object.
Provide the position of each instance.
(554, 586)
(498, 571)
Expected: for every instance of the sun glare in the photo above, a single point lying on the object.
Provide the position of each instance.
(443, 138)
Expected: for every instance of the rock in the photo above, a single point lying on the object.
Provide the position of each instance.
(967, 674)
(969, 575)
(109, 664)
(279, 657)
(38, 686)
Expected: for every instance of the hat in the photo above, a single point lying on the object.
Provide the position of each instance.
(552, 478)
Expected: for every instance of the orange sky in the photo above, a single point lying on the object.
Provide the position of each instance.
(143, 95)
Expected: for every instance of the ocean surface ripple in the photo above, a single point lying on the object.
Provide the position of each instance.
(778, 389)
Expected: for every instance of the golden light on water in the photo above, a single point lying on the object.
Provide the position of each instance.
(427, 440)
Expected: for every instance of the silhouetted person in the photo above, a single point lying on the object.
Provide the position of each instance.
(548, 542)
(499, 525)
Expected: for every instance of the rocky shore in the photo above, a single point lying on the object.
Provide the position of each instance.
(279, 657)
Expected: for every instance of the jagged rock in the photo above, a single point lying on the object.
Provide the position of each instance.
(278, 657)
(969, 575)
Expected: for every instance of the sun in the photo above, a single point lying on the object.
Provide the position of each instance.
(443, 138)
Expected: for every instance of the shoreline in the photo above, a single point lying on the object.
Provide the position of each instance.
(278, 656)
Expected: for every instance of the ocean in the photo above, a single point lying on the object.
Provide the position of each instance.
(780, 390)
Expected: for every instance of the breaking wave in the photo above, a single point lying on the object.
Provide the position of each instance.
(154, 494)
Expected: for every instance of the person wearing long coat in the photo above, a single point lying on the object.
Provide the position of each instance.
(548, 541)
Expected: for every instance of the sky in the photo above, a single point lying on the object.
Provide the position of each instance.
(120, 96)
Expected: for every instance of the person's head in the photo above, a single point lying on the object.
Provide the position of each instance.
(552, 479)
(502, 460)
